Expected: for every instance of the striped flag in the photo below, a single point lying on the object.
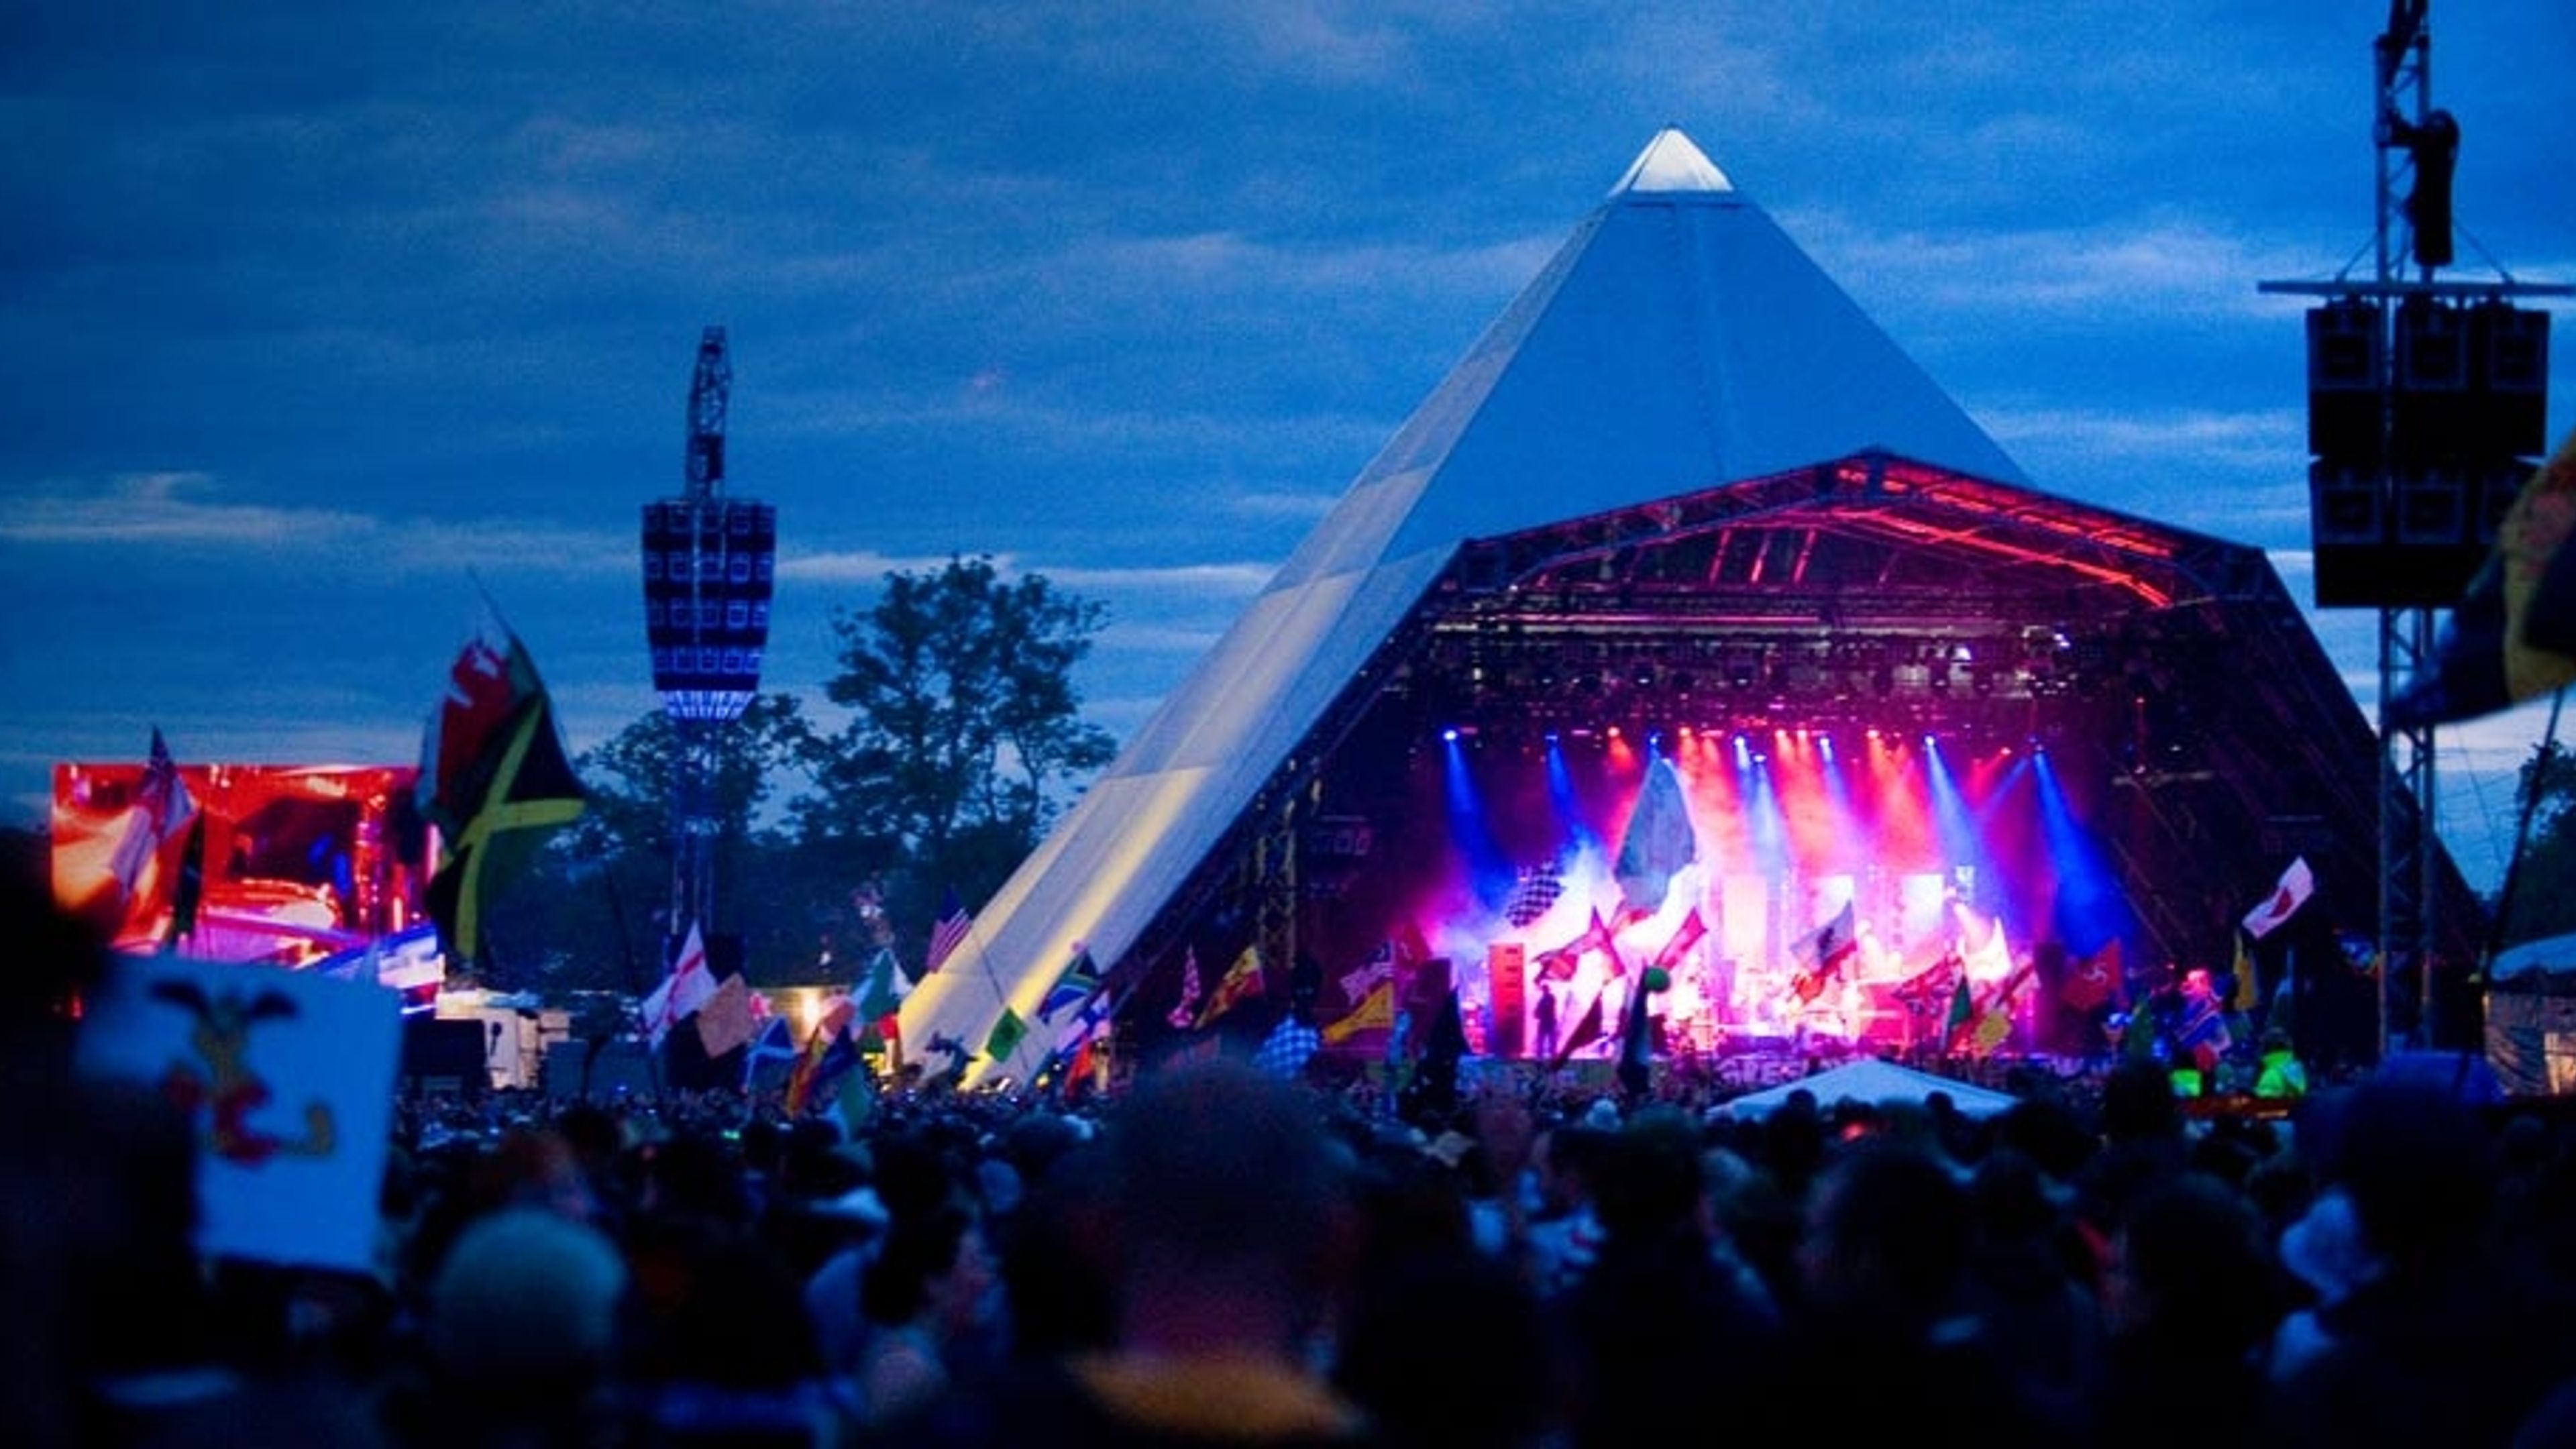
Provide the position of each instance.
(162, 810)
(947, 933)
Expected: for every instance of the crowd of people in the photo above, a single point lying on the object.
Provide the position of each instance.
(1218, 1254)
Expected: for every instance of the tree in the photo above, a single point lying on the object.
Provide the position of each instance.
(2539, 893)
(594, 914)
(966, 735)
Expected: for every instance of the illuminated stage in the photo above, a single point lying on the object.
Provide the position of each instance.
(1988, 733)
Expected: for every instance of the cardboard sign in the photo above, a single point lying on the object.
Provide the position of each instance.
(289, 1080)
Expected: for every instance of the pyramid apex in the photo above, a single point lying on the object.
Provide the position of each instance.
(1671, 163)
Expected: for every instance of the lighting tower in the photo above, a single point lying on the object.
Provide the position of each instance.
(708, 564)
(2427, 399)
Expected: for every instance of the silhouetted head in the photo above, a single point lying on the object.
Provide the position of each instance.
(1220, 1174)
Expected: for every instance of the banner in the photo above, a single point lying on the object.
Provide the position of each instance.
(288, 1079)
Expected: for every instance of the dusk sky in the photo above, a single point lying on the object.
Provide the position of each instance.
(322, 321)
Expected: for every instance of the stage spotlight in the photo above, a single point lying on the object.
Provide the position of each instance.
(1450, 735)
(1551, 739)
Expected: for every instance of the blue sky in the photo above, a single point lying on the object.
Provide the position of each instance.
(317, 315)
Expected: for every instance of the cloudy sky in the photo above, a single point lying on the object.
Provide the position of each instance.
(319, 318)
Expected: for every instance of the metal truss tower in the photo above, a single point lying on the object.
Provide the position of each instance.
(709, 562)
(2424, 393)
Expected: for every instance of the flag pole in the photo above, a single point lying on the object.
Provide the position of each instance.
(626, 954)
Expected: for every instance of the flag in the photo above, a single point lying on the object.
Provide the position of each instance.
(774, 1042)
(947, 933)
(1185, 1010)
(1587, 1030)
(1241, 981)
(2512, 636)
(1685, 936)
(1285, 1052)
(1989, 958)
(494, 780)
(2249, 993)
(829, 1055)
(1963, 1014)
(880, 995)
(1362, 979)
(2297, 884)
(2092, 980)
(1079, 983)
(682, 992)
(1636, 1043)
(1993, 1022)
(1376, 1012)
(162, 811)
(1534, 890)
(1008, 1032)
(1659, 840)
(1822, 952)
(1930, 992)
(724, 1021)
(1568, 958)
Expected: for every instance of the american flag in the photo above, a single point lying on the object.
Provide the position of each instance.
(1380, 966)
(947, 933)
(163, 810)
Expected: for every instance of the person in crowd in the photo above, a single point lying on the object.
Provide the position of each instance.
(1885, 1263)
(1219, 1328)
(927, 1289)
(1563, 1236)
(1665, 1301)
(2192, 1296)
(2039, 1312)
(521, 1340)
(2423, 1330)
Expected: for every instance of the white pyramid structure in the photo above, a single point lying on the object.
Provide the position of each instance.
(1678, 341)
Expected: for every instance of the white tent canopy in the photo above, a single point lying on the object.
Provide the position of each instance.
(2548, 956)
(1873, 1082)
(1678, 341)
